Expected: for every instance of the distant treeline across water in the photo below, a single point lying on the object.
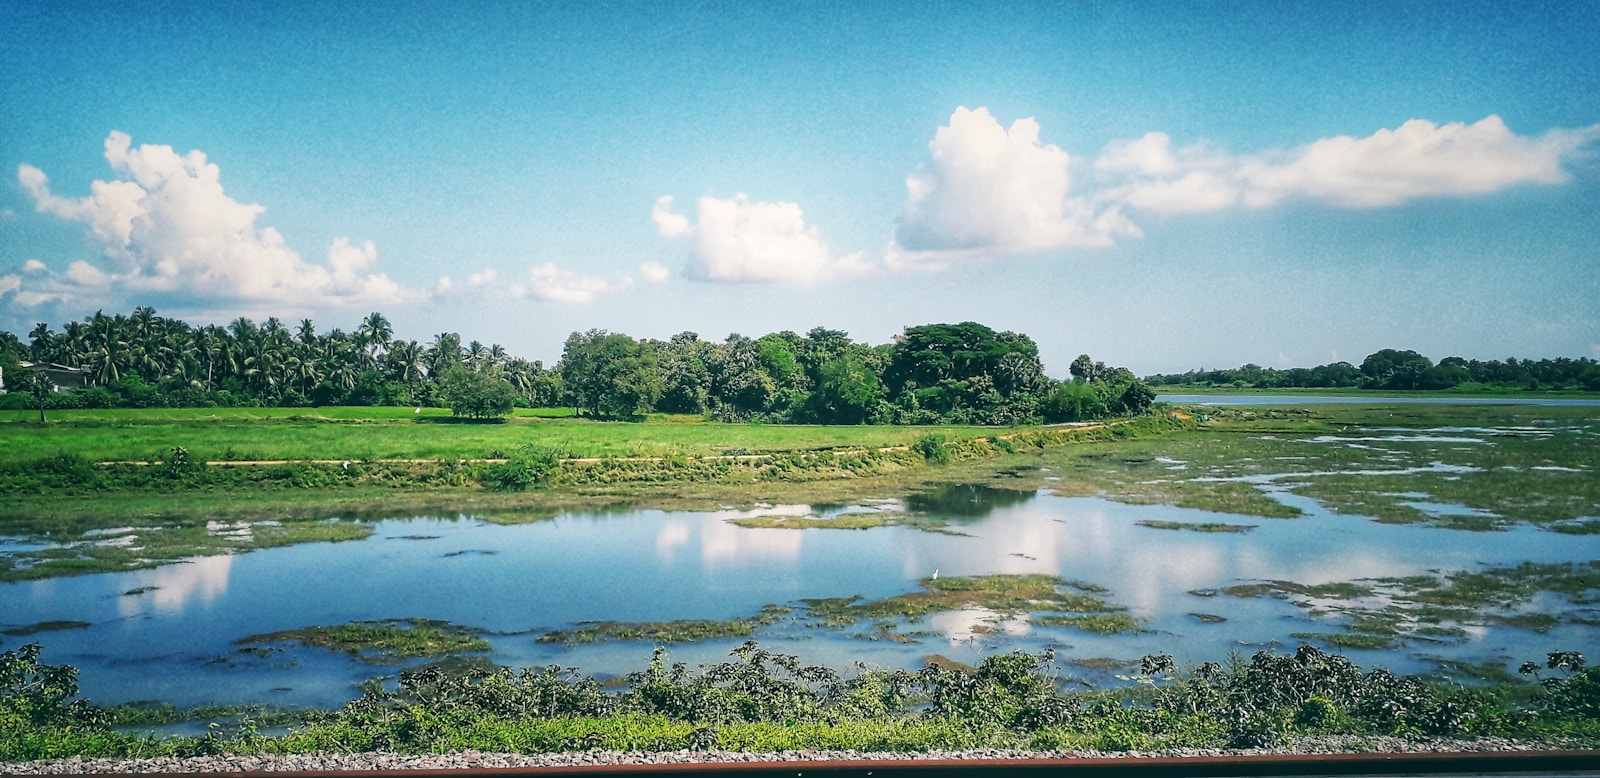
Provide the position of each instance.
(1405, 370)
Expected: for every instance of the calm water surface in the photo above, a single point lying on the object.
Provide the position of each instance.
(176, 641)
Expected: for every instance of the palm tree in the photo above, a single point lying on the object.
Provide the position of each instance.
(43, 348)
(143, 322)
(243, 330)
(477, 356)
(107, 362)
(521, 373)
(275, 331)
(377, 331)
(404, 362)
(73, 345)
(443, 353)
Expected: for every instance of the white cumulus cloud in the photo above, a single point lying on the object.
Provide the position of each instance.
(987, 190)
(166, 225)
(1419, 159)
(739, 240)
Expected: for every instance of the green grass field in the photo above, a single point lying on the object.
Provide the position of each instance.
(403, 433)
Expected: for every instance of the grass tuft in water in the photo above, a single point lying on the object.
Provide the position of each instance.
(664, 632)
(382, 642)
(44, 626)
(1098, 623)
(852, 520)
(1209, 526)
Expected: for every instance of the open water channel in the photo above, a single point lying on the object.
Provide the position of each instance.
(169, 633)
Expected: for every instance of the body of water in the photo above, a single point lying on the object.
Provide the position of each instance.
(175, 638)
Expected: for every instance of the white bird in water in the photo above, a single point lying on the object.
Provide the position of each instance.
(935, 573)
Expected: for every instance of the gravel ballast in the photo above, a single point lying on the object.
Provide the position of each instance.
(464, 760)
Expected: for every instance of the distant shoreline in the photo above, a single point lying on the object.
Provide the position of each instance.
(1357, 391)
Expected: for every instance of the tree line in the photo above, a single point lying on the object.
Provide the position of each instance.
(964, 373)
(1407, 370)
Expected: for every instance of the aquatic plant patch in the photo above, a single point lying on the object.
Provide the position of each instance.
(1422, 609)
(1189, 526)
(383, 642)
(1460, 467)
(664, 632)
(151, 547)
(1098, 623)
(43, 626)
(999, 594)
(849, 520)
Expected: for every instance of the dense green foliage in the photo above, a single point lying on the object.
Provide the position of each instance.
(933, 374)
(1392, 369)
(760, 700)
(477, 394)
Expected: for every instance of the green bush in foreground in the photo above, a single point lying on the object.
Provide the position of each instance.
(764, 701)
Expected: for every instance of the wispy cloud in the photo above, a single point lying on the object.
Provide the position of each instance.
(541, 283)
(655, 272)
(1419, 159)
(552, 284)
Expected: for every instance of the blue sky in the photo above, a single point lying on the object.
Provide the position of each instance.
(1166, 186)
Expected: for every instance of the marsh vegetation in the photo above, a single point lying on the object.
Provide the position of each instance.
(759, 700)
(965, 544)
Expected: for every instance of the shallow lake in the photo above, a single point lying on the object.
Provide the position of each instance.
(175, 639)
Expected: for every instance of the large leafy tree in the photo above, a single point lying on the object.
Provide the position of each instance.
(847, 392)
(475, 394)
(610, 374)
(1392, 369)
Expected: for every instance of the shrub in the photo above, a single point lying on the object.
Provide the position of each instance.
(528, 466)
(932, 448)
(41, 695)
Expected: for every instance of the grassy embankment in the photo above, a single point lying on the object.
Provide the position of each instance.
(761, 701)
